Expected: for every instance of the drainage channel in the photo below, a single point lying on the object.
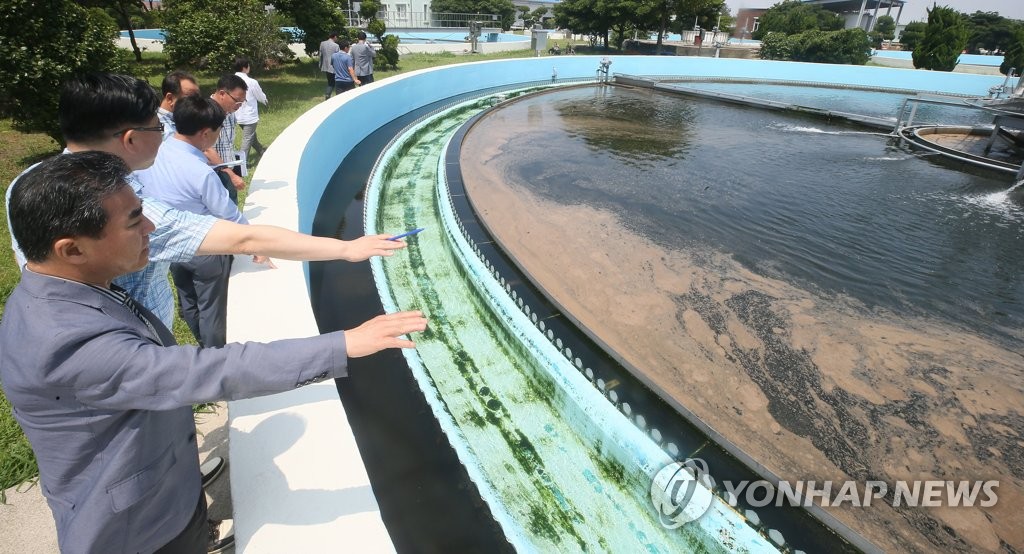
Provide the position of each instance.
(560, 466)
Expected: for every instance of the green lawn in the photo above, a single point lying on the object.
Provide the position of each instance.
(292, 89)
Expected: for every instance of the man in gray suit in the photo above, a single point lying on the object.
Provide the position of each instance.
(327, 49)
(97, 383)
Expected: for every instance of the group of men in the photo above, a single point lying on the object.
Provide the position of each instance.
(87, 360)
(346, 65)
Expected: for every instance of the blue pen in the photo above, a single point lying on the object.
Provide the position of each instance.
(406, 234)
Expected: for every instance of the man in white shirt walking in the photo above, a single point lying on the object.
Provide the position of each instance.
(248, 115)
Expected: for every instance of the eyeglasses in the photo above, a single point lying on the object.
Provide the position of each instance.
(238, 103)
(155, 129)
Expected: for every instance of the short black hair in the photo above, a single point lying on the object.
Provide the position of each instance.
(241, 62)
(172, 82)
(62, 197)
(344, 43)
(230, 81)
(94, 106)
(361, 35)
(195, 113)
(333, 34)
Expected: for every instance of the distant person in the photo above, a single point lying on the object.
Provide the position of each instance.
(248, 115)
(100, 387)
(175, 85)
(230, 94)
(181, 177)
(344, 69)
(327, 49)
(363, 55)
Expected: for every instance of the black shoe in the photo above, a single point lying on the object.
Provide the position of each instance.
(222, 535)
(211, 469)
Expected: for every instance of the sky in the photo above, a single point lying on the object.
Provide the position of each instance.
(914, 10)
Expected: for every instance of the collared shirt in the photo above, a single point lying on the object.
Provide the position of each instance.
(327, 49)
(342, 62)
(176, 238)
(249, 112)
(362, 55)
(225, 146)
(167, 118)
(181, 177)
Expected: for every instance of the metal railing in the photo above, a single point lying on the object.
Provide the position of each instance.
(396, 18)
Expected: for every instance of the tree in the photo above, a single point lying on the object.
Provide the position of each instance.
(990, 31)
(886, 27)
(122, 11)
(368, 10)
(211, 33)
(41, 45)
(585, 17)
(317, 19)
(912, 34)
(504, 9)
(945, 38)
(1014, 56)
(794, 16)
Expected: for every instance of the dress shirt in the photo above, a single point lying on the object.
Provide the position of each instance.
(225, 146)
(167, 118)
(249, 112)
(181, 177)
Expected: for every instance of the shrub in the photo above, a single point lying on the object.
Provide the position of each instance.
(41, 45)
(1014, 56)
(209, 34)
(849, 46)
(944, 40)
(389, 51)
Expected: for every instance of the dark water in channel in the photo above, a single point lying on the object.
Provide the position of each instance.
(829, 208)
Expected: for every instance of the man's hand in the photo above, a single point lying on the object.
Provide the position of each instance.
(236, 181)
(265, 260)
(382, 332)
(364, 248)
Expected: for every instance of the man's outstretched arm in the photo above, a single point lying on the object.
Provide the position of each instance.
(226, 237)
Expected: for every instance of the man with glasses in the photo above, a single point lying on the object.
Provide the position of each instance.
(117, 114)
(230, 95)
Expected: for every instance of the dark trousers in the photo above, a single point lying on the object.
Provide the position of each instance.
(203, 294)
(330, 84)
(366, 79)
(195, 537)
(226, 181)
(342, 86)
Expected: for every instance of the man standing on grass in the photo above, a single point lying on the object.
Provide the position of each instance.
(175, 85)
(248, 116)
(328, 49)
(181, 177)
(344, 69)
(103, 393)
(363, 55)
(230, 94)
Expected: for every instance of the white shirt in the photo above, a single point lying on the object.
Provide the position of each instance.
(249, 113)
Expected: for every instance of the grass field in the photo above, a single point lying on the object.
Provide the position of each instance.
(292, 90)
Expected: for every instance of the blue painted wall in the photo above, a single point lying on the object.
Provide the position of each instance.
(359, 114)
